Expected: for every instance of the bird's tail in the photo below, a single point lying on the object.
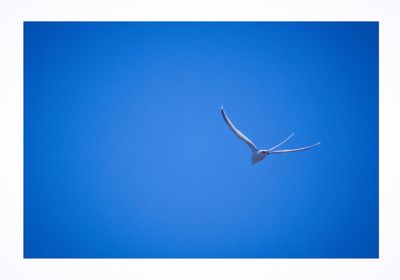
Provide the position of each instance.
(280, 144)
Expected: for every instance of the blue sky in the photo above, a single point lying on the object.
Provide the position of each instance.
(126, 153)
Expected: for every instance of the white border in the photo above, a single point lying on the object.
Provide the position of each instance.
(12, 15)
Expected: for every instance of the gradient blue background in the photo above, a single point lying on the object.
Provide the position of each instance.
(126, 153)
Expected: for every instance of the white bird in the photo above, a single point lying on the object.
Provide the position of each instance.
(258, 154)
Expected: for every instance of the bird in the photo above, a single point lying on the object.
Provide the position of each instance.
(260, 154)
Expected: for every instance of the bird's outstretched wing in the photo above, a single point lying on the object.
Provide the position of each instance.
(240, 135)
(294, 150)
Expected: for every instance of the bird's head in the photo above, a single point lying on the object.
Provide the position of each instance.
(258, 156)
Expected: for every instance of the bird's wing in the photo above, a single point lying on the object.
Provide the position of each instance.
(240, 135)
(280, 144)
(294, 150)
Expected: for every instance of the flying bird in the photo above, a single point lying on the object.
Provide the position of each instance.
(258, 154)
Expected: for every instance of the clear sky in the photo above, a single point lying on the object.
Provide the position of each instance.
(126, 153)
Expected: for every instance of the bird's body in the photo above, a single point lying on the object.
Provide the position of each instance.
(258, 154)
